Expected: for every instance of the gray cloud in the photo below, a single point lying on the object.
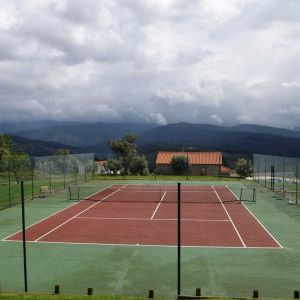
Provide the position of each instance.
(222, 62)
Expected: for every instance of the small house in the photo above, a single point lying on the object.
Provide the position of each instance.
(199, 163)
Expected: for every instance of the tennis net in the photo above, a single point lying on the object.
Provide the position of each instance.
(144, 193)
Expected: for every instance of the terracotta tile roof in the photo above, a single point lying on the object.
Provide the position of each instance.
(100, 162)
(195, 158)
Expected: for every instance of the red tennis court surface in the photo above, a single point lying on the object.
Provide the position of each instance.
(211, 216)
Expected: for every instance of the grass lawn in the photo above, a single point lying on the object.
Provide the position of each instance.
(14, 296)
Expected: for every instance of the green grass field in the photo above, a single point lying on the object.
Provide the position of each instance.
(10, 192)
(13, 296)
(133, 270)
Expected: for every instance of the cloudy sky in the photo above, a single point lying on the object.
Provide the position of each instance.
(164, 61)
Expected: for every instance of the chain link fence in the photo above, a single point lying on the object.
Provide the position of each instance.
(42, 175)
(187, 168)
(139, 238)
(280, 174)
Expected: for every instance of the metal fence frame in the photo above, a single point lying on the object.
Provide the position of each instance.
(55, 172)
(278, 173)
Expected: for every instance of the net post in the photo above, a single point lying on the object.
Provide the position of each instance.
(69, 193)
(254, 195)
(78, 194)
(178, 239)
(24, 237)
(241, 194)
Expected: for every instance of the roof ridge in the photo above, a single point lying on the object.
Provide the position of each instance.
(196, 157)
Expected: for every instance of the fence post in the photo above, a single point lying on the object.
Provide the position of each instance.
(24, 237)
(272, 178)
(297, 178)
(265, 170)
(64, 171)
(76, 171)
(258, 169)
(283, 177)
(187, 166)
(49, 172)
(56, 289)
(90, 291)
(9, 185)
(198, 292)
(32, 178)
(178, 239)
(151, 294)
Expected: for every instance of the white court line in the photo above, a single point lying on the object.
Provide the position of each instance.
(144, 219)
(237, 232)
(146, 245)
(161, 200)
(4, 239)
(78, 214)
(267, 231)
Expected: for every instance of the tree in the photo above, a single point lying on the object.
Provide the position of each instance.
(60, 152)
(243, 167)
(126, 153)
(179, 164)
(113, 165)
(140, 165)
(13, 158)
(6, 146)
(19, 163)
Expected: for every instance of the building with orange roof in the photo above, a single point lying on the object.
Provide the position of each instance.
(199, 163)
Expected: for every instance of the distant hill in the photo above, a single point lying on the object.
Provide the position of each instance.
(92, 135)
(11, 127)
(236, 141)
(41, 148)
(266, 130)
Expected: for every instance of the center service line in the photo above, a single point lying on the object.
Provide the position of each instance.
(162, 198)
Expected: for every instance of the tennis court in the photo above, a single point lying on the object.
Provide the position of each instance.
(147, 215)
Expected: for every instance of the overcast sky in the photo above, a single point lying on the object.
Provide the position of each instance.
(164, 61)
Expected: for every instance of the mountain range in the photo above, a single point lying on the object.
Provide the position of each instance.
(42, 148)
(42, 137)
